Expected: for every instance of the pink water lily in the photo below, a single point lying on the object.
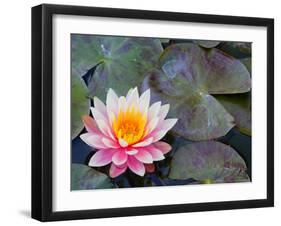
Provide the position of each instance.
(127, 131)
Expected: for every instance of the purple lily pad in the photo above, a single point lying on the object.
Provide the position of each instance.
(208, 162)
(209, 69)
(186, 77)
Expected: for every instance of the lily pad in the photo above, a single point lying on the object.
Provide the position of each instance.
(209, 69)
(238, 177)
(237, 49)
(88, 50)
(208, 162)
(186, 76)
(120, 61)
(239, 106)
(248, 63)
(84, 177)
(80, 104)
(207, 44)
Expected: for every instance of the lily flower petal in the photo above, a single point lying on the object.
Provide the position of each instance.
(99, 105)
(105, 129)
(102, 157)
(90, 124)
(151, 125)
(123, 143)
(133, 97)
(153, 110)
(163, 146)
(93, 140)
(158, 135)
(163, 112)
(115, 171)
(132, 151)
(97, 114)
(110, 143)
(146, 142)
(136, 166)
(119, 157)
(112, 101)
(144, 101)
(144, 156)
(156, 154)
(122, 104)
(168, 123)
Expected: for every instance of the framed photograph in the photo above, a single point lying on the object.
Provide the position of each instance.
(146, 112)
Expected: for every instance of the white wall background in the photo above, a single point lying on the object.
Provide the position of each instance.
(15, 102)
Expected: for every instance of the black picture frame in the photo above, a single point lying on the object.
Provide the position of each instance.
(42, 111)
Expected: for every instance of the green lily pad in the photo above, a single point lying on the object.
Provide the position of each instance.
(209, 69)
(121, 62)
(84, 177)
(248, 63)
(237, 49)
(239, 106)
(207, 44)
(208, 162)
(80, 104)
(87, 50)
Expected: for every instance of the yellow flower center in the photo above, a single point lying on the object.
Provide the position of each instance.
(129, 125)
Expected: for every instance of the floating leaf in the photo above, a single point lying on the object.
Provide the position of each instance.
(121, 62)
(80, 104)
(248, 63)
(207, 44)
(87, 50)
(239, 106)
(237, 49)
(209, 69)
(186, 77)
(239, 177)
(208, 162)
(84, 177)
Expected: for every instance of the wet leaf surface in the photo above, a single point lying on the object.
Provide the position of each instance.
(209, 69)
(186, 77)
(239, 106)
(80, 104)
(208, 162)
(84, 177)
(120, 62)
(248, 63)
(237, 49)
